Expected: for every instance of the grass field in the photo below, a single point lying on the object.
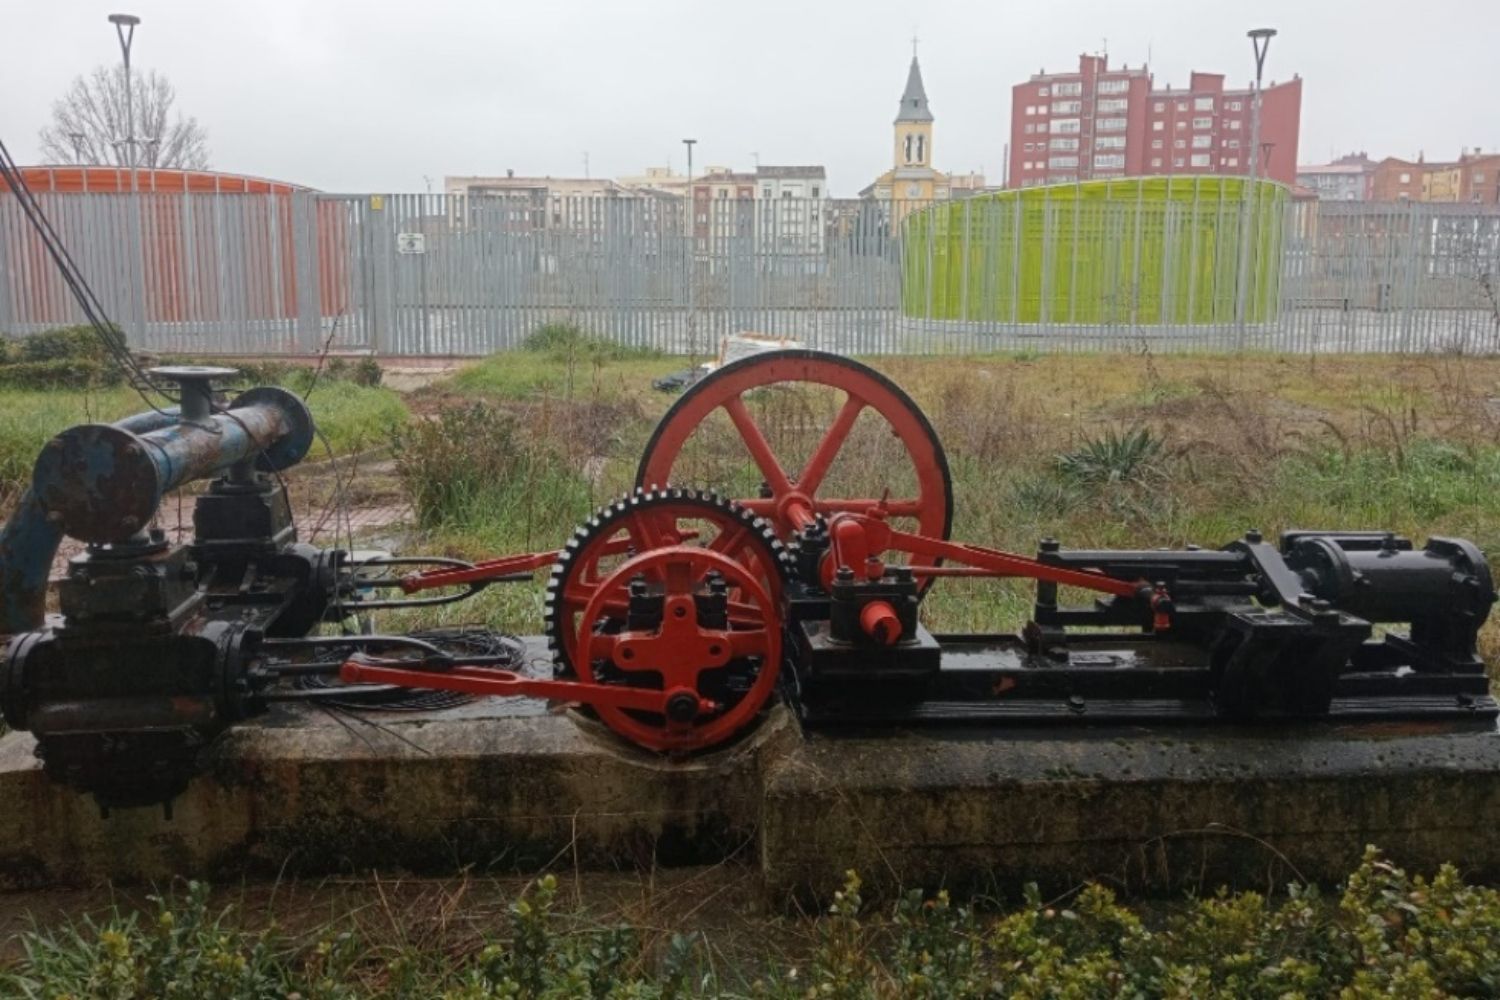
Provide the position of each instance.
(514, 451)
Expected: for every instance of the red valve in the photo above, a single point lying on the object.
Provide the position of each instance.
(880, 622)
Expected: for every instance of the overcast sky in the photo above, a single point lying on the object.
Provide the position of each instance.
(377, 95)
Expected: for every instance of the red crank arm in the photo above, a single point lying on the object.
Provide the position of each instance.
(505, 684)
(871, 536)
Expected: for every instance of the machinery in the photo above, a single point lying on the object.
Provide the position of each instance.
(677, 615)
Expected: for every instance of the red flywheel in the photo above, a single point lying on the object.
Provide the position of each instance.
(821, 432)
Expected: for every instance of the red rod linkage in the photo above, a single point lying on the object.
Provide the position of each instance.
(485, 681)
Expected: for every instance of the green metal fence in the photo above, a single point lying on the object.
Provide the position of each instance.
(1155, 251)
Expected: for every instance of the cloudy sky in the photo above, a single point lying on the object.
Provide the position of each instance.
(381, 94)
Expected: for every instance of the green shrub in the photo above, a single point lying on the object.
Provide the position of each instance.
(61, 373)
(565, 340)
(63, 343)
(366, 371)
(471, 467)
(1387, 933)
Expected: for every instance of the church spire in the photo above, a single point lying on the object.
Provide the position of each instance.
(914, 99)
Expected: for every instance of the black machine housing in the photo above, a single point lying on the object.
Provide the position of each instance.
(156, 649)
(1325, 625)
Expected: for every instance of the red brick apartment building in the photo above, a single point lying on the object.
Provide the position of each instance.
(1102, 122)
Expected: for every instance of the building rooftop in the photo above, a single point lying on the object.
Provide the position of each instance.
(792, 171)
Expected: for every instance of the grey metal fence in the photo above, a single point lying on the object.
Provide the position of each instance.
(411, 275)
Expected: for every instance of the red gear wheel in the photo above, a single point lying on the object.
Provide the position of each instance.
(674, 543)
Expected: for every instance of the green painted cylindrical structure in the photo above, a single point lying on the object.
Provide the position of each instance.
(1138, 251)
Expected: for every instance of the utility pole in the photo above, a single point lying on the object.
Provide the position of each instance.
(1260, 42)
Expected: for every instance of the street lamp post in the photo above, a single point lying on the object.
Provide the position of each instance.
(125, 25)
(125, 31)
(1260, 42)
(691, 256)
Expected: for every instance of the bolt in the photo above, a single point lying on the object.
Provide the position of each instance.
(1076, 703)
(1254, 537)
(901, 574)
(682, 707)
(1049, 544)
(130, 522)
(843, 575)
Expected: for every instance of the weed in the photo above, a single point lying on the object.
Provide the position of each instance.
(1113, 458)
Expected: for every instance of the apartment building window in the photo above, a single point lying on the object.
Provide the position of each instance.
(1234, 105)
(1113, 86)
(1113, 104)
(1181, 123)
(1231, 161)
(1180, 144)
(1182, 105)
(1066, 107)
(1156, 144)
(1200, 159)
(1156, 161)
(1406, 178)
(1109, 161)
(1203, 123)
(1159, 107)
(1030, 109)
(1063, 144)
(1030, 128)
(1042, 92)
(765, 192)
(1203, 104)
(1478, 177)
(1177, 162)
(815, 191)
(1064, 126)
(1110, 142)
(1068, 90)
(1202, 141)
(1061, 162)
(1234, 124)
(1157, 126)
(1110, 124)
(1232, 143)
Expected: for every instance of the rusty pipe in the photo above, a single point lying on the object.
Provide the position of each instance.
(104, 482)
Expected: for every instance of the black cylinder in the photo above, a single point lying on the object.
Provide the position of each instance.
(1391, 582)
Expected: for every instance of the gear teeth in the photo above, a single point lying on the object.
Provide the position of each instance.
(603, 523)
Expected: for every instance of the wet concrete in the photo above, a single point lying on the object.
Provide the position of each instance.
(498, 785)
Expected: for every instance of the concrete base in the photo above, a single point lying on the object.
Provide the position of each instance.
(497, 785)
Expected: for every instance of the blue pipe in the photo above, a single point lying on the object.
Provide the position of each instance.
(103, 483)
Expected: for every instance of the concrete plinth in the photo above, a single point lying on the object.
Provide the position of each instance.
(1145, 812)
(498, 785)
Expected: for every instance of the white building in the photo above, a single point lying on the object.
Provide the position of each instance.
(790, 209)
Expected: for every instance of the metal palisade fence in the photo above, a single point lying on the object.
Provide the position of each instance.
(1207, 264)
